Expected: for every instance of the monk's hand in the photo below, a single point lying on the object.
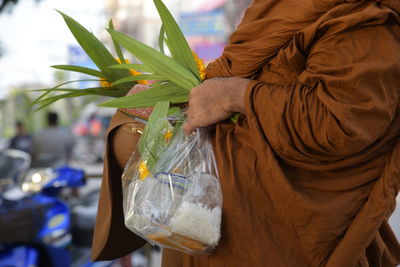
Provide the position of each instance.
(213, 101)
(137, 88)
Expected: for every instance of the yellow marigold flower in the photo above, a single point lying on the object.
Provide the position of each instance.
(143, 170)
(105, 83)
(134, 72)
(168, 136)
(200, 66)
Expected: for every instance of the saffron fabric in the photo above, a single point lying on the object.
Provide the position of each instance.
(311, 172)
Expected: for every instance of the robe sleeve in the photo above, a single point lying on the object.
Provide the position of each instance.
(343, 102)
(267, 26)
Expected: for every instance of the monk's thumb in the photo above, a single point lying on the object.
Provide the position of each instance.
(188, 128)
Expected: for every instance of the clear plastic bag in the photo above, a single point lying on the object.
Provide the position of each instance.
(179, 204)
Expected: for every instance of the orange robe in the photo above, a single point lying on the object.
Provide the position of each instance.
(311, 172)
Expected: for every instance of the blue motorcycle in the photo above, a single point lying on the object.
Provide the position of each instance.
(35, 225)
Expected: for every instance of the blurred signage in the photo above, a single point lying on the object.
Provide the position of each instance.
(210, 5)
(204, 23)
(78, 57)
(209, 52)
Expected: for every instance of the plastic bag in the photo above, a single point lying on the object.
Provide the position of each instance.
(179, 204)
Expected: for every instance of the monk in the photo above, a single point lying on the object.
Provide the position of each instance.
(311, 171)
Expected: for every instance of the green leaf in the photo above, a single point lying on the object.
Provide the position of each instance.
(79, 69)
(173, 111)
(98, 91)
(140, 67)
(144, 77)
(177, 127)
(152, 143)
(75, 81)
(95, 50)
(57, 86)
(180, 99)
(46, 102)
(161, 39)
(157, 83)
(157, 61)
(116, 45)
(164, 92)
(168, 44)
(34, 102)
(179, 47)
(235, 117)
(102, 91)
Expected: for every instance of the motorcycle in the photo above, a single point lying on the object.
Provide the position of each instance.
(35, 219)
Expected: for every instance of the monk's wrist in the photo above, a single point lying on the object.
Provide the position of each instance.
(236, 94)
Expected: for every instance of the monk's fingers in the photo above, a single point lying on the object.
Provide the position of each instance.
(190, 123)
(137, 88)
(188, 127)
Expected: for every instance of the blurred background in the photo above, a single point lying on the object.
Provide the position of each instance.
(47, 216)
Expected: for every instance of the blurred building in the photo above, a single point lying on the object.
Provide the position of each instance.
(207, 24)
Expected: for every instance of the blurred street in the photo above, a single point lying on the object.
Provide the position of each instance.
(395, 219)
(146, 257)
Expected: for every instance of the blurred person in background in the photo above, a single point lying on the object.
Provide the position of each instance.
(53, 145)
(311, 170)
(22, 140)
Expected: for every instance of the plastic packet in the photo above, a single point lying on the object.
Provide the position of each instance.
(179, 204)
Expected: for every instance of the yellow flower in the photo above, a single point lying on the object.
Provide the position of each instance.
(200, 66)
(105, 83)
(168, 136)
(143, 170)
(134, 72)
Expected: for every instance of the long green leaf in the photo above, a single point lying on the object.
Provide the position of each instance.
(98, 91)
(57, 86)
(167, 43)
(75, 81)
(140, 67)
(161, 39)
(117, 93)
(101, 91)
(34, 102)
(152, 143)
(95, 50)
(165, 92)
(144, 77)
(84, 70)
(179, 47)
(155, 60)
(173, 111)
(180, 99)
(158, 83)
(116, 45)
(46, 102)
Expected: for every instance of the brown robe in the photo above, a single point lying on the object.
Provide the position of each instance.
(111, 239)
(311, 172)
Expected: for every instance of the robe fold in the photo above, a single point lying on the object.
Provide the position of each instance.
(311, 171)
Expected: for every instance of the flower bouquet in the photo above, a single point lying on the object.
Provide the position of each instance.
(172, 76)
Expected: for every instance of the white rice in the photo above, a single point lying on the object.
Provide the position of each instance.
(197, 222)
